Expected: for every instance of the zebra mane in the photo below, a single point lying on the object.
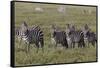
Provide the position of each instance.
(86, 27)
(24, 24)
(36, 27)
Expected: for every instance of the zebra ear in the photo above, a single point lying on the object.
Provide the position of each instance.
(27, 31)
(82, 33)
(68, 25)
(54, 33)
(24, 23)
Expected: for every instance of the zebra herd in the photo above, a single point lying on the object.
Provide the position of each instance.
(67, 38)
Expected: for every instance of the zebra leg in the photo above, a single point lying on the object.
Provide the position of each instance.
(96, 42)
(20, 40)
(37, 45)
(42, 44)
(56, 45)
(73, 45)
(28, 47)
(65, 44)
(88, 44)
(79, 45)
(93, 44)
(70, 45)
(83, 43)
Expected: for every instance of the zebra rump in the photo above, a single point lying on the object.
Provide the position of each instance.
(60, 38)
(91, 38)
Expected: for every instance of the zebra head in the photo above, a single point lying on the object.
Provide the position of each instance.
(67, 29)
(24, 29)
(71, 29)
(54, 30)
(53, 27)
(86, 31)
(86, 26)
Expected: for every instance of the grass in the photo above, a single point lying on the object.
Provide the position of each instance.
(73, 15)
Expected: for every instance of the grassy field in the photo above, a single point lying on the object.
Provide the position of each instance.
(50, 15)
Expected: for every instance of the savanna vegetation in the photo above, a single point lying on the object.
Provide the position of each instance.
(50, 15)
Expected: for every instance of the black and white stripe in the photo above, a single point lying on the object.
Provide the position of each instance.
(32, 35)
(59, 37)
(36, 36)
(18, 33)
(74, 36)
(89, 36)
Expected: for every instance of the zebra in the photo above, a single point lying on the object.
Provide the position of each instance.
(19, 31)
(32, 35)
(67, 36)
(89, 36)
(59, 37)
(69, 28)
(85, 30)
(74, 36)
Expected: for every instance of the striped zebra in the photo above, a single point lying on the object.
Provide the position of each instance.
(32, 35)
(86, 30)
(89, 36)
(59, 37)
(74, 36)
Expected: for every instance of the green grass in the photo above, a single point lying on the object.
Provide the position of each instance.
(25, 12)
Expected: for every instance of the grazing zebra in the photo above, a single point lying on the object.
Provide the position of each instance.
(74, 36)
(33, 35)
(89, 36)
(59, 37)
